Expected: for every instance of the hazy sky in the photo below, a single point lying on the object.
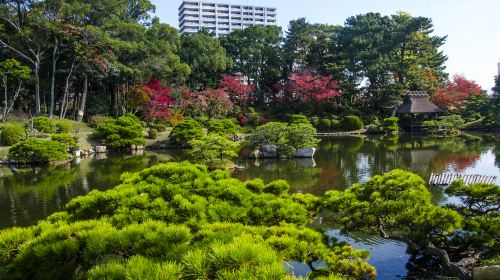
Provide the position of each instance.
(472, 26)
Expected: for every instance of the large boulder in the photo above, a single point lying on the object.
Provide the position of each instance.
(269, 151)
(305, 153)
(100, 149)
(254, 155)
(486, 273)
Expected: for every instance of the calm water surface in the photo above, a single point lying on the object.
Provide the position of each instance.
(29, 195)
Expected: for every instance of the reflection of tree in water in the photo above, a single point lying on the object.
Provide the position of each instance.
(104, 174)
(299, 173)
(31, 194)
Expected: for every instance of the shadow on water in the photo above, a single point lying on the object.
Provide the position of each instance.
(29, 195)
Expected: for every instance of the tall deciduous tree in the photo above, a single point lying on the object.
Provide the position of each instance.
(13, 75)
(206, 58)
(256, 53)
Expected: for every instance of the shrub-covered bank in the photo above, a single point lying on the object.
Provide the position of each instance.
(178, 221)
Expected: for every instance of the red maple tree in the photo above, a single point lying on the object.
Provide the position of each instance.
(160, 101)
(306, 87)
(240, 93)
(453, 95)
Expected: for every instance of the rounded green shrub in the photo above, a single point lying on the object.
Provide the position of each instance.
(325, 125)
(390, 125)
(96, 121)
(12, 135)
(62, 127)
(223, 127)
(184, 132)
(37, 151)
(122, 132)
(69, 141)
(159, 127)
(334, 124)
(153, 133)
(44, 124)
(351, 123)
(297, 119)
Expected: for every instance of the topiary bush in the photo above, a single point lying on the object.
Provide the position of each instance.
(351, 123)
(334, 124)
(186, 131)
(298, 119)
(121, 133)
(62, 127)
(153, 133)
(390, 125)
(12, 134)
(325, 125)
(159, 127)
(223, 127)
(37, 151)
(96, 121)
(69, 141)
(44, 124)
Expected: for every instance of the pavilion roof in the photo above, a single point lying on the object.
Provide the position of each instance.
(417, 102)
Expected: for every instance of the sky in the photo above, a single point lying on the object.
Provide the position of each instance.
(472, 26)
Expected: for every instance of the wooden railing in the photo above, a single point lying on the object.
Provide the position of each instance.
(448, 178)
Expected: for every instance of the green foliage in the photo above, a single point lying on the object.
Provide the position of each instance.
(37, 151)
(69, 141)
(298, 119)
(62, 127)
(44, 124)
(177, 220)
(13, 134)
(374, 129)
(213, 146)
(479, 207)
(325, 125)
(96, 121)
(390, 125)
(152, 133)
(185, 132)
(159, 127)
(444, 125)
(287, 138)
(122, 132)
(395, 203)
(351, 123)
(227, 127)
(206, 58)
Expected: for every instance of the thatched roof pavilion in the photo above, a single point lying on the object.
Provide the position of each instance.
(417, 108)
(417, 102)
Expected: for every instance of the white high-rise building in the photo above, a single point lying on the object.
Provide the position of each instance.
(221, 18)
(498, 64)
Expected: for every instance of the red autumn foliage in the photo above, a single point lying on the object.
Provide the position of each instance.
(454, 94)
(215, 103)
(160, 101)
(239, 93)
(305, 87)
(242, 120)
(263, 121)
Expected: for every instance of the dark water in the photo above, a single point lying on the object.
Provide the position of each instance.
(29, 195)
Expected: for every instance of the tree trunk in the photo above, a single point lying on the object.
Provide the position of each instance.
(4, 79)
(53, 80)
(114, 100)
(81, 110)
(37, 86)
(66, 92)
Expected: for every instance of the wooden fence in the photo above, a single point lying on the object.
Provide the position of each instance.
(448, 178)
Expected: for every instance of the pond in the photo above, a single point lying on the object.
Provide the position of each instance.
(29, 195)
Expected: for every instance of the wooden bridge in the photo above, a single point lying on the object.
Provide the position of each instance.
(445, 179)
